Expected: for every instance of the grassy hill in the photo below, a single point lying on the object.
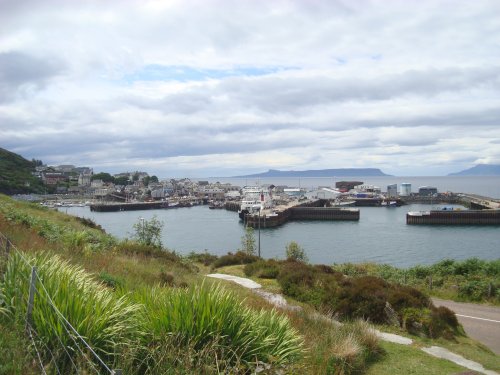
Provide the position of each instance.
(15, 174)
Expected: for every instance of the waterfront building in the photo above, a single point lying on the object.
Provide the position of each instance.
(427, 191)
(294, 192)
(392, 191)
(323, 193)
(405, 190)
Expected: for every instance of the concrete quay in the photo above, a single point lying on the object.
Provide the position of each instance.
(309, 210)
(455, 217)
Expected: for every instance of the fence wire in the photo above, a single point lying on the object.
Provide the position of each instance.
(80, 344)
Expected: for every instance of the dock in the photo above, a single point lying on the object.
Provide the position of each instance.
(454, 217)
(310, 210)
(136, 206)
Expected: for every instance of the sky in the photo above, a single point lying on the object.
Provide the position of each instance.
(220, 88)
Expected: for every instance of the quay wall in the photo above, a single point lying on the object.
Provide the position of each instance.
(232, 206)
(314, 210)
(466, 217)
(127, 206)
(322, 213)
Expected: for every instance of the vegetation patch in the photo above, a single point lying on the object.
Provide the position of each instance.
(470, 280)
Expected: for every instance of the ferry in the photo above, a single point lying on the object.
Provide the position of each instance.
(255, 199)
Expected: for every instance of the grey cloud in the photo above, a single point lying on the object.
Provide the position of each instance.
(20, 71)
(274, 94)
(278, 94)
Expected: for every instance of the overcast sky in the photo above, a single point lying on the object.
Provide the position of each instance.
(221, 88)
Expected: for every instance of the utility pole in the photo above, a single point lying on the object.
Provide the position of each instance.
(259, 230)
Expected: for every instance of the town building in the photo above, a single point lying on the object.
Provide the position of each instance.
(427, 191)
(405, 190)
(392, 191)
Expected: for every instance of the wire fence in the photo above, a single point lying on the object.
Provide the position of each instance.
(69, 352)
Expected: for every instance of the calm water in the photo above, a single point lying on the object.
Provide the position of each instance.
(380, 236)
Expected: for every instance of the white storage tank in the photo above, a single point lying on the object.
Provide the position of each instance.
(405, 190)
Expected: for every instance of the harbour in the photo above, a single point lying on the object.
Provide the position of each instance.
(381, 235)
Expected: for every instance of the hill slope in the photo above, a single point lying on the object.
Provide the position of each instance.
(15, 174)
(344, 172)
(480, 170)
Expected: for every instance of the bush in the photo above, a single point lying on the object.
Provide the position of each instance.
(364, 298)
(266, 269)
(138, 249)
(231, 259)
(110, 280)
(202, 317)
(148, 232)
(295, 252)
(205, 258)
(476, 290)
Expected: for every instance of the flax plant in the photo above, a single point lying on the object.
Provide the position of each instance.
(204, 317)
(110, 325)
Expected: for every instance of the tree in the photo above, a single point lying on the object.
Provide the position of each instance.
(295, 252)
(149, 232)
(154, 179)
(103, 176)
(122, 181)
(248, 241)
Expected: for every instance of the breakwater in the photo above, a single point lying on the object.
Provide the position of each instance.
(114, 207)
(455, 217)
(311, 210)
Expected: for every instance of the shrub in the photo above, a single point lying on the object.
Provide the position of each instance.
(110, 280)
(266, 269)
(401, 297)
(248, 241)
(166, 278)
(109, 324)
(205, 258)
(148, 232)
(231, 259)
(475, 290)
(138, 249)
(295, 252)
(364, 297)
(200, 317)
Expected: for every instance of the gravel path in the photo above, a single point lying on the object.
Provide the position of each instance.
(279, 301)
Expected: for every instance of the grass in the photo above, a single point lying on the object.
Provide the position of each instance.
(16, 359)
(401, 359)
(470, 280)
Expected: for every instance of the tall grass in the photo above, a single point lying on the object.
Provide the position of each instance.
(213, 319)
(109, 324)
(142, 331)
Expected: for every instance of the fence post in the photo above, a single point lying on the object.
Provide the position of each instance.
(31, 299)
(430, 282)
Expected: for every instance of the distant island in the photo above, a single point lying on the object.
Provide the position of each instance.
(344, 172)
(480, 170)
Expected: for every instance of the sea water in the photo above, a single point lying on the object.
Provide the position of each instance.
(381, 235)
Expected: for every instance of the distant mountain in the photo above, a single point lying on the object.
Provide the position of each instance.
(480, 170)
(15, 174)
(343, 172)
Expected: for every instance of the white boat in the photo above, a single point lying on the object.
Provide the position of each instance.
(255, 198)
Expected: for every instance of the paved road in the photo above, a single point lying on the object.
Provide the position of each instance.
(480, 322)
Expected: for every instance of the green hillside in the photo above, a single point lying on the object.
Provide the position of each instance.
(15, 174)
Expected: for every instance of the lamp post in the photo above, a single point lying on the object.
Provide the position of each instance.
(142, 228)
(259, 230)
